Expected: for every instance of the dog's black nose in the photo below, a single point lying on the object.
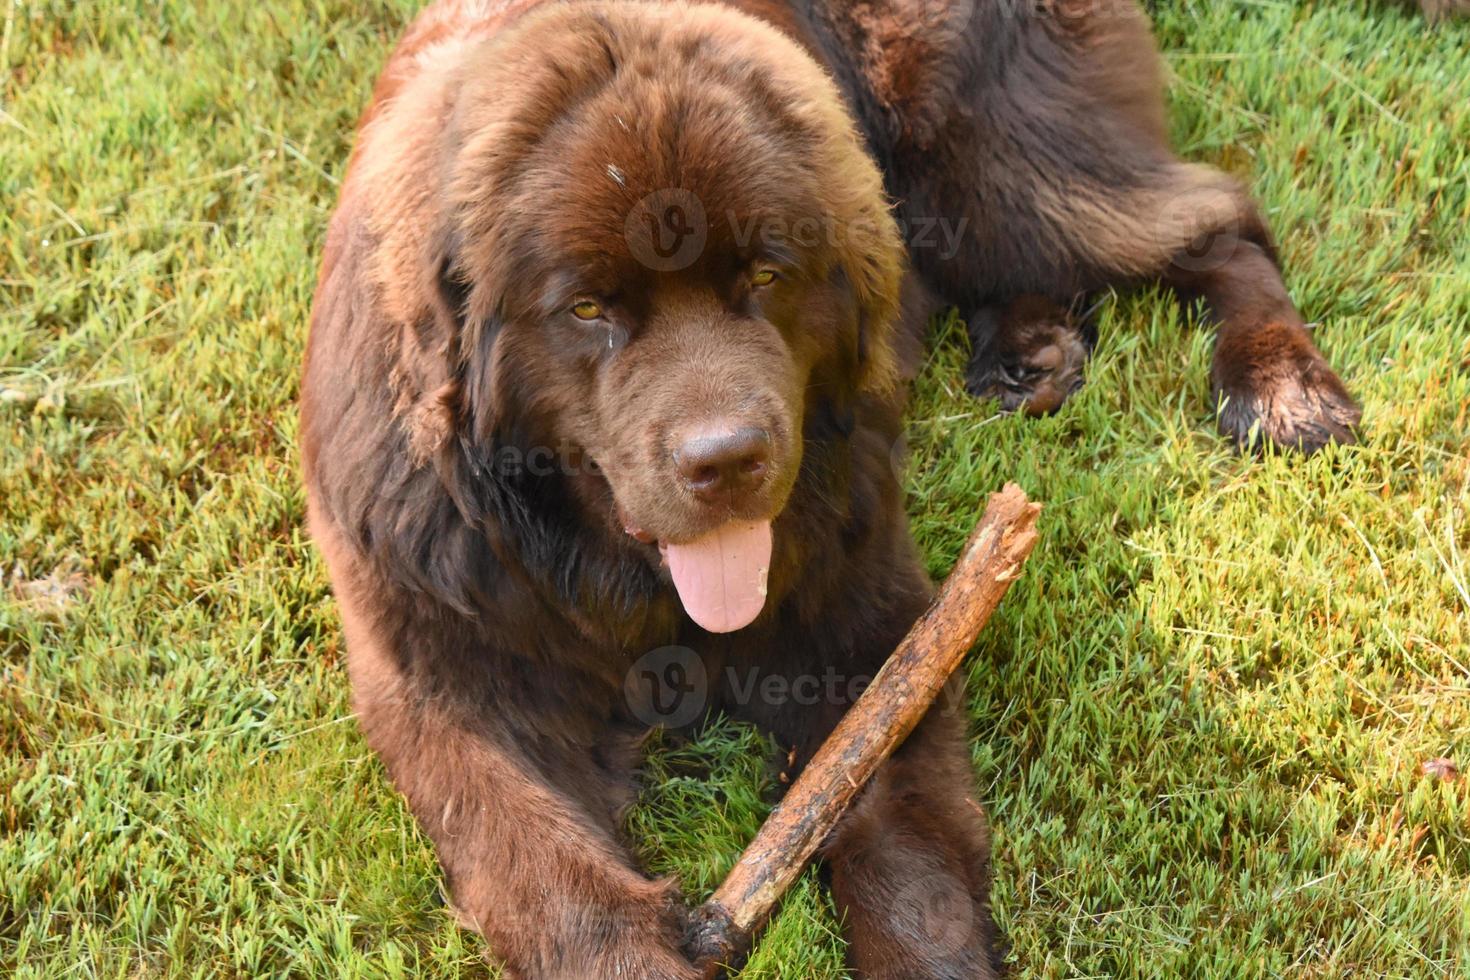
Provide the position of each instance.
(720, 464)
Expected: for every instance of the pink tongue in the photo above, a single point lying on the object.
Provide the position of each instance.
(721, 577)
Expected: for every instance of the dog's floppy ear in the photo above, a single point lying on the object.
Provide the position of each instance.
(473, 310)
(869, 247)
(427, 380)
(878, 289)
(872, 257)
(428, 178)
(461, 393)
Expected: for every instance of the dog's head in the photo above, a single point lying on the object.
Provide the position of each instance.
(653, 242)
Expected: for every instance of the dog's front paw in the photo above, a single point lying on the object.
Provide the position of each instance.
(1030, 356)
(1271, 384)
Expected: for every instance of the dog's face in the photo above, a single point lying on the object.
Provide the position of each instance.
(652, 336)
(660, 244)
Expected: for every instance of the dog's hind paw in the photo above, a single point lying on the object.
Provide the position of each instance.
(1272, 385)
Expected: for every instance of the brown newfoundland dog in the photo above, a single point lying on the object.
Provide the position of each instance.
(606, 370)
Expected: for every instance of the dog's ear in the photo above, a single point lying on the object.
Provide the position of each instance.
(873, 259)
(405, 183)
(870, 250)
(454, 420)
(426, 380)
(463, 393)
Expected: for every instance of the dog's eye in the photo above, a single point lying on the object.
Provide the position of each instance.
(763, 277)
(586, 310)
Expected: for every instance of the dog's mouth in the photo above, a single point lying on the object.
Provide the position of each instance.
(721, 574)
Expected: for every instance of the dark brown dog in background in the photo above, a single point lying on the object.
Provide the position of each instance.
(611, 281)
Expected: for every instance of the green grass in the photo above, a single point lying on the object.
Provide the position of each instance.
(1200, 718)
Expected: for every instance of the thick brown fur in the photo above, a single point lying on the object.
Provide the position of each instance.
(573, 238)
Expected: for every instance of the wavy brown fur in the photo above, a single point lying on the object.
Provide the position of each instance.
(487, 472)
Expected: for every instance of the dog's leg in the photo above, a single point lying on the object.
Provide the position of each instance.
(524, 827)
(910, 862)
(1198, 231)
(528, 865)
(1079, 192)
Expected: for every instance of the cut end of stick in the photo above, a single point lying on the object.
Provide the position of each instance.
(714, 940)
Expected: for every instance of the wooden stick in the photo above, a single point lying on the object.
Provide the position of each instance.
(872, 728)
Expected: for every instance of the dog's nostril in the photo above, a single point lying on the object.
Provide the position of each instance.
(724, 461)
(703, 476)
